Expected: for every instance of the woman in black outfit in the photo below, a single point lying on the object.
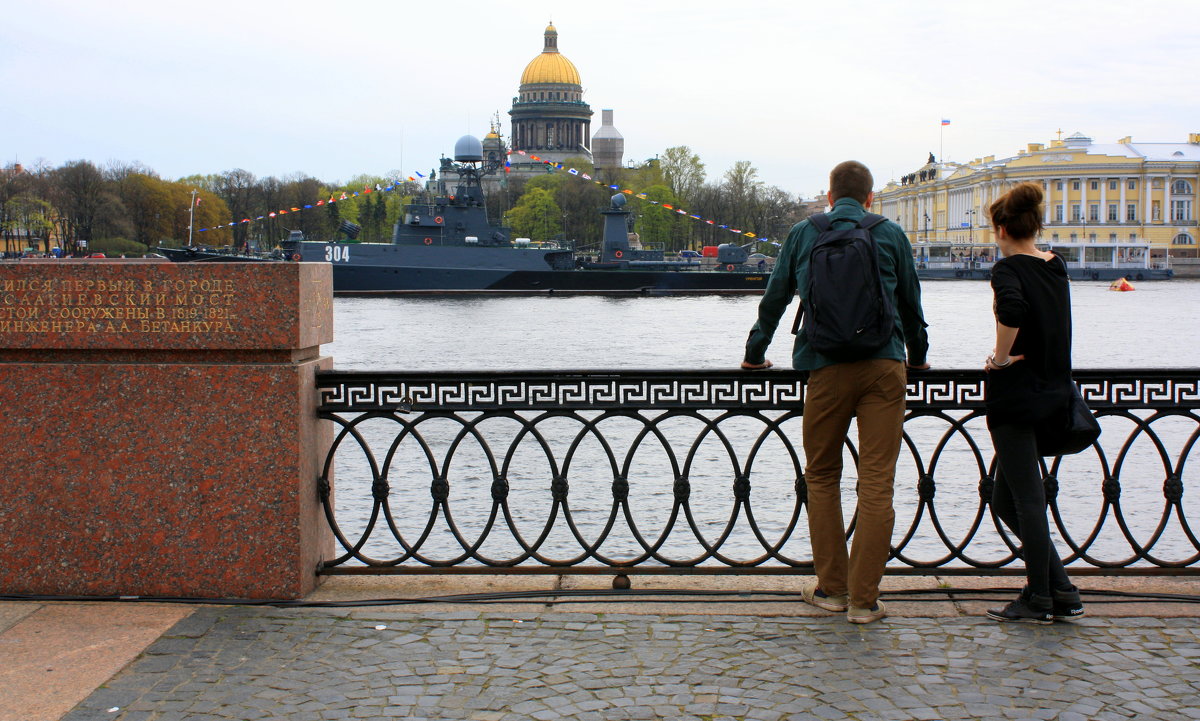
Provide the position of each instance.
(1029, 376)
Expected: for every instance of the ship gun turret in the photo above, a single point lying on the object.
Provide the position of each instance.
(618, 249)
(730, 253)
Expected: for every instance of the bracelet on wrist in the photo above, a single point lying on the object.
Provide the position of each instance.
(1005, 364)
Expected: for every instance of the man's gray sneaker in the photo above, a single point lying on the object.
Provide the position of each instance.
(814, 596)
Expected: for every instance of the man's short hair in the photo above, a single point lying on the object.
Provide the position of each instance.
(851, 179)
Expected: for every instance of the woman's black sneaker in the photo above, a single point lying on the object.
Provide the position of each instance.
(1067, 605)
(1023, 610)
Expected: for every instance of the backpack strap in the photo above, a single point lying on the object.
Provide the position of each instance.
(820, 221)
(870, 220)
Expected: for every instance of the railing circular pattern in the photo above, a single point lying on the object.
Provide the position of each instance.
(612, 447)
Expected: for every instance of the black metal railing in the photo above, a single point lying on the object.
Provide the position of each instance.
(702, 472)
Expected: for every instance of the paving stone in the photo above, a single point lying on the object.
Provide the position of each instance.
(248, 663)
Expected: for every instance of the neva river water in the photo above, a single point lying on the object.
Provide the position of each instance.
(1153, 327)
(1156, 326)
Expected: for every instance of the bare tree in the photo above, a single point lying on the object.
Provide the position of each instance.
(86, 204)
(242, 195)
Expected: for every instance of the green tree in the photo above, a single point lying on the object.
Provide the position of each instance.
(379, 215)
(580, 200)
(536, 216)
(656, 224)
(683, 172)
(25, 218)
(645, 175)
(147, 202)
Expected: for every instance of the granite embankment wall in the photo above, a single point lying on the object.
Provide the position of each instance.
(160, 428)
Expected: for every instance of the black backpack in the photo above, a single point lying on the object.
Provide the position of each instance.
(847, 314)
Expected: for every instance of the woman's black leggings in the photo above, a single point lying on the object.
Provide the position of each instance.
(1019, 499)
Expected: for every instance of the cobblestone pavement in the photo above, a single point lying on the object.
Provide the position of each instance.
(381, 663)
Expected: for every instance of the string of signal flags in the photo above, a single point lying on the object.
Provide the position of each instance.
(553, 166)
(333, 198)
(640, 196)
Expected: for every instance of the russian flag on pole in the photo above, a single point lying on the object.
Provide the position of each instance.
(945, 122)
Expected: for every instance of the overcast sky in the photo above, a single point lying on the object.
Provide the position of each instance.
(338, 89)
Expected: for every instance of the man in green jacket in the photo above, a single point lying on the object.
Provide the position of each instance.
(872, 389)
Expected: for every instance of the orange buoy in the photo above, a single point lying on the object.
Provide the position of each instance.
(1121, 284)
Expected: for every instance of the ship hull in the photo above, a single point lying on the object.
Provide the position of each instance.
(396, 269)
(200, 255)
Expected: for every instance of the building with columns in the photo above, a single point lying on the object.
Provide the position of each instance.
(549, 117)
(1097, 194)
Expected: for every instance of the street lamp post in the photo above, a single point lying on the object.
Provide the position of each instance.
(191, 216)
(970, 237)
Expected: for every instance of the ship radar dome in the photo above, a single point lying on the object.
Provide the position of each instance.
(468, 149)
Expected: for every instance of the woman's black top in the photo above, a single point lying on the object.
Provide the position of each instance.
(1034, 296)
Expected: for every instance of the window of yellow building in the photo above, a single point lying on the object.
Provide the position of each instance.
(1181, 210)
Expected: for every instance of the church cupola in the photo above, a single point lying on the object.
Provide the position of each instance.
(549, 116)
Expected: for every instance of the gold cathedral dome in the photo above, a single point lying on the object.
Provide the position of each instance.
(550, 66)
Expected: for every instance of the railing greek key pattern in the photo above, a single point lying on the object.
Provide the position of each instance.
(702, 471)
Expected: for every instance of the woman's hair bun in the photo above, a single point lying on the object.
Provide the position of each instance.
(1024, 197)
(1019, 210)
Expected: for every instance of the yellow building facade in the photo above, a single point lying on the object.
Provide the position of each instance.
(1103, 201)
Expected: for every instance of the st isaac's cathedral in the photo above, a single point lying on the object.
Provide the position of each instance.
(550, 118)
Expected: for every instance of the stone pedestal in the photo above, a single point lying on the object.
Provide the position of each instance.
(159, 428)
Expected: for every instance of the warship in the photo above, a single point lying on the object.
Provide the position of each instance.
(445, 244)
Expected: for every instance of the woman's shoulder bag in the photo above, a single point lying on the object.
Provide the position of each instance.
(1069, 433)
